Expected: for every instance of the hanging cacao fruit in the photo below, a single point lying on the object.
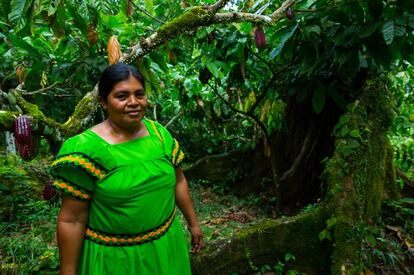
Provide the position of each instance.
(129, 10)
(49, 191)
(114, 50)
(27, 143)
(289, 14)
(92, 35)
(21, 74)
(260, 38)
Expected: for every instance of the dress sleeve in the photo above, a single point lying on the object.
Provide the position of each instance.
(74, 172)
(171, 146)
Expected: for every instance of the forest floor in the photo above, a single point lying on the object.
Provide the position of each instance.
(27, 224)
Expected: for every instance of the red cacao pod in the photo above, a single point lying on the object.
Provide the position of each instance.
(22, 129)
(27, 143)
(260, 38)
(289, 14)
(49, 191)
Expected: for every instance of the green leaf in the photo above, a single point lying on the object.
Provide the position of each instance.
(355, 133)
(388, 32)
(313, 28)
(212, 67)
(285, 37)
(149, 4)
(325, 234)
(246, 27)
(407, 200)
(25, 46)
(19, 13)
(318, 100)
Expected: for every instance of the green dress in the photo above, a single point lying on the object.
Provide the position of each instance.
(132, 227)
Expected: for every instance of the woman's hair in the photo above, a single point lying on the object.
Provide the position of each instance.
(114, 74)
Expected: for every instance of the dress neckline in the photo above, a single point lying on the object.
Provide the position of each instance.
(145, 121)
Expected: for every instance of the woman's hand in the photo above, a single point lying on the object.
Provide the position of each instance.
(197, 238)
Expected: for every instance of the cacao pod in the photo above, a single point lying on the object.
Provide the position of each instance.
(27, 143)
(114, 50)
(260, 38)
(49, 191)
(289, 14)
(204, 75)
(92, 35)
(129, 10)
(21, 74)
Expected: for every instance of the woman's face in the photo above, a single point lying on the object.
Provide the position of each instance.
(126, 103)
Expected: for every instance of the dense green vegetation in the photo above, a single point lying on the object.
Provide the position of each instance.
(297, 105)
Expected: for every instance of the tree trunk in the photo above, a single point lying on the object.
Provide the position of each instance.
(357, 178)
(268, 243)
(360, 175)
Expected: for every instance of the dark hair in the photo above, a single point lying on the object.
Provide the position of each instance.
(114, 74)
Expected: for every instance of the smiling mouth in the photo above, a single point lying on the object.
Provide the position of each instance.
(133, 113)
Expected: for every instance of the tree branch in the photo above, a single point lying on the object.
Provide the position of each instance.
(298, 159)
(194, 18)
(251, 116)
(400, 174)
(146, 13)
(281, 10)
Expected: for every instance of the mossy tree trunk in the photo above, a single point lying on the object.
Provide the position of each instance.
(358, 177)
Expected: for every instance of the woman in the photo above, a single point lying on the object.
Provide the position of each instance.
(121, 181)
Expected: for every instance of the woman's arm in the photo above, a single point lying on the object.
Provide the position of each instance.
(72, 220)
(183, 200)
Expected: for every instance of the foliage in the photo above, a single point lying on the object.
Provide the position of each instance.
(388, 244)
(27, 225)
(402, 136)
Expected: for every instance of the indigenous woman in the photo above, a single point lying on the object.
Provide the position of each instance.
(121, 181)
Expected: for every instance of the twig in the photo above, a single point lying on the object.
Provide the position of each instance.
(172, 120)
(155, 112)
(253, 117)
(40, 90)
(400, 174)
(295, 164)
(147, 13)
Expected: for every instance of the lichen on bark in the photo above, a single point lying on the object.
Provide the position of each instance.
(360, 177)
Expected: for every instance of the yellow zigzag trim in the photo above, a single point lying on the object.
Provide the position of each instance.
(130, 240)
(90, 167)
(66, 187)
(174, 153)
(180, 158)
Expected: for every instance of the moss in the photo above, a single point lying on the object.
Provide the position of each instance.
(269, 242)
(81, 117)
(360, 177)
(7, 119)
(34, 111)
(196, 16)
